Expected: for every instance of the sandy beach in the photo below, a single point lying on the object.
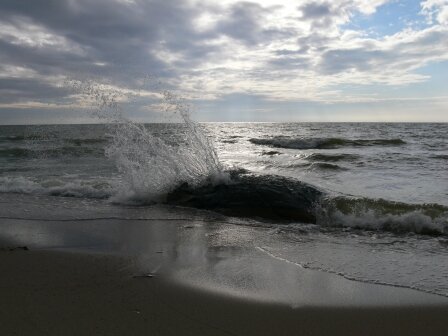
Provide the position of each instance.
(56, 293)
(179, 272)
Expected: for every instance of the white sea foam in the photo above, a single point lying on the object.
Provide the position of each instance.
(414, 221)
(371, 214)
(54, 187)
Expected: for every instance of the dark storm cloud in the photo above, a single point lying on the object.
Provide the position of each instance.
(114, 32)
(114, 40)
(109, 31)
(44, 60)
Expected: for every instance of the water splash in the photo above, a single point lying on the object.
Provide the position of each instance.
(150, 164)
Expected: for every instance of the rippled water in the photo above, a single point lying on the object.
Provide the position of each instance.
(399, 162)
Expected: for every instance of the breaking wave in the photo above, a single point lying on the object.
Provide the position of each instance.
(267, 198)
(323, 143)
(272, 197)
(382, 215)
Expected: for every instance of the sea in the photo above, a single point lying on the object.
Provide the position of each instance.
(365, 201)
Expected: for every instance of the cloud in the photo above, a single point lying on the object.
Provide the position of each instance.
(249, 23)
(316, 10)
(384, 59)
(210, 50)
(437, 9)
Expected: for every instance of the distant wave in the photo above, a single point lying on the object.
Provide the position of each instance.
(12, 138)
(326, 166)
(323, 143)
(50, 136)
(271, 153)
(86, 141)
(41, 145)
(15, 152)
(76, 151)
(314, 166)
(440, 156)
(331, 157)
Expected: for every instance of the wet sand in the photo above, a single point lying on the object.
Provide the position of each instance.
(56, 293)
(175, 272)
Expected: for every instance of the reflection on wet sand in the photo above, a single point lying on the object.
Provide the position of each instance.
(202, 252)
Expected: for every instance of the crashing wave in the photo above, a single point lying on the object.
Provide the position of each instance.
(382, 215)
(150, 165)
(265, 198)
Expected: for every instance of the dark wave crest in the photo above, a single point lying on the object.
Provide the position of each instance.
(322, 166)
(326, 166)
(255, 196)
(440, 156)
(86, 141)
(271, 197)
(15, 152)
(12, 138)
(65, 151)
(332, 157)
(323, 143)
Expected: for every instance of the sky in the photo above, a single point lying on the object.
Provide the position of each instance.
(282, 60)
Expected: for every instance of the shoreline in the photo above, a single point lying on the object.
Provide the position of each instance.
(177, 271)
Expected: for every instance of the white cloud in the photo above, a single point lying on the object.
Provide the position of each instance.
(23, 32)
(442, 16)
(437, 9)
(13, 71)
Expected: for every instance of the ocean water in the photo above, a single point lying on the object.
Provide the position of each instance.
(366, 201)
